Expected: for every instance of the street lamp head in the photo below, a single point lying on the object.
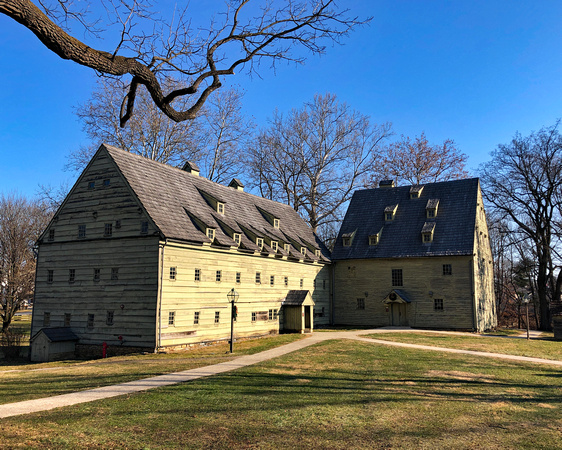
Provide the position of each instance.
(232, 295)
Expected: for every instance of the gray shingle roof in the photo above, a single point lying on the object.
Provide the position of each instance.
(295, 297)
(59, 334)
(401, 237)
(175, 201)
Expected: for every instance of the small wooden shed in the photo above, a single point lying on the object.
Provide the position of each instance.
(297, 311)
(51, 344)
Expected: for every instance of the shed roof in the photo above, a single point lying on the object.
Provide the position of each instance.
(453, 225)
(58, 334)
(297, 298)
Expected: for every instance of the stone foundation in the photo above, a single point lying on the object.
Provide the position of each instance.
(84, 351)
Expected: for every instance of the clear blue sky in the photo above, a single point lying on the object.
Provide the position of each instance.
(475, 72)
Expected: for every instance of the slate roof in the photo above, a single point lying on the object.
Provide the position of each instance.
(295, 297)
(176, 202)
(59, 334)
(454, 223)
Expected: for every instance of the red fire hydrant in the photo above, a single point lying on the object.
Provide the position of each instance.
(104, 350)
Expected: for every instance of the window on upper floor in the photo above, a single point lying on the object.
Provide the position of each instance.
(217, 316)
(97, 274)
(81, 231)
(360, 303)
(52, 234)
(303, 251)
(346, 241)
(272, 280)
(274, 246)
(211, 234)
(301, 283)
(438, 304)
(108, 230)
(115, 273)
(46, 319)
(196, 318)
(238, 277)
(171, 318)
(397, 277)
(237, 237)
(50, 276)
(218, 275)
(276, 223)
(374, 239)
(67, 318)
(259, 242)
(109, 318)
(106, 182)
(91, 185)
(144, 227)
(197, 275)
(90, 322)
(173, 273)
(287, 247)
(254, 316)
(220, 208)
(71, 275)
(447, 269)
(258, 277)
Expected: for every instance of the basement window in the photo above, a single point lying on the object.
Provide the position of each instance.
(286, 281)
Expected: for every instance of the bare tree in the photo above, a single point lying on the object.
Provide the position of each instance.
(213, 140)
(21, 222)
(315, 158)
(523, 184)
(417, 162)
(151, 49)
(150, 133)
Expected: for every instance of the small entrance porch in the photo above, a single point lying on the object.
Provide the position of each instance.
(297, 312)
(397, 308)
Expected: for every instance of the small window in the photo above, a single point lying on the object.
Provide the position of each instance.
(346, 242)
(171, 318)
(317, 253)
(360, 303)
(52, 234)
(237, 238)
(109, 318)
(218, 275)
(388, 216)
(314, 284)
(217, 316)
(270, 315)
(81, 231)
(254, 316)
(106, 182)
(196, 318)
(447, 269)
(108, 230)
(272, 280)
(276, 223)
(97, 274)
(303, 251)
(438, 304)
(302, 283)
(274, 246)
(238, 277)
(173, 273)
(259, 243)
(50, 276)
(258, 278)
(144, 227)
(374, 239)
(197, 276)
(91, 185)
(323, 284)
(286, 281)
(427, 237)
(46, 319)
(90, 323)
(71, 275)
(115, 273)
(287, 248)
(431, 212)
(275, 314)
(414, 194)
(220, 208)
(211, 233)
(67, 317)
(397, 277)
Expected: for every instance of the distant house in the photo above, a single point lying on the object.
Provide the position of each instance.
(141, 254)
(415, 256)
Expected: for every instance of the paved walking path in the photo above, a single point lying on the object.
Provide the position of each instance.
(44, 404)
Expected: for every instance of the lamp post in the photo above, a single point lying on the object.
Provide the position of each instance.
(526, 302)
(232, 297)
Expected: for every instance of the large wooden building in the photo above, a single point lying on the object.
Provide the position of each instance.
(141, 254)
(415, 256)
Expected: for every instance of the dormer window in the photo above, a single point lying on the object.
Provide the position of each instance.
(346, 241)
(317, 253)
(287, 248)
(390, 212)
(276, 223)
(427, 232)
(415, 191)
(220, 208)
(374, 239)
(211, 234)
(303, 251)
(431, 208)
(237, 238)
(274, 246)
(259, 243)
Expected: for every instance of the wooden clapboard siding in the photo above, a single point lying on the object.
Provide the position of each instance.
(484, 294)
(184, 295)
(423, 281)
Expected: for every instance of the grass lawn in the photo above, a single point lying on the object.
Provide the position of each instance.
(337, 394)
(538, 348)
(25, 382)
